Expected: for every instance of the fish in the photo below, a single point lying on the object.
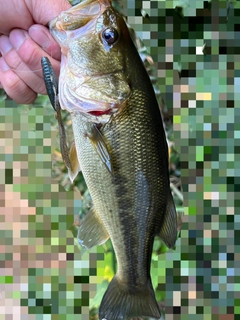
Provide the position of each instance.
(120, 147)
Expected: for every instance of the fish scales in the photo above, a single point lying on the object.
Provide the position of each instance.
(121, 147)
(131, 202)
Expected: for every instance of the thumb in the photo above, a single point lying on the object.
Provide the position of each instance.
(45, 10)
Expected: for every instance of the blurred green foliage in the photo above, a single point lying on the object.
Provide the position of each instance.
(195, 45)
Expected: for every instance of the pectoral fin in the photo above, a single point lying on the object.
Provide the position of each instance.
(75, 166)
(100, 147)
(168, 231)
(92, 231)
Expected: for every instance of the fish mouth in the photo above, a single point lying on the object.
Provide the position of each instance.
(100, 113)
(74, 102)
(79, 16)
(88, 97)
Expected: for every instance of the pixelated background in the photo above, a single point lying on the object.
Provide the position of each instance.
(43, 273)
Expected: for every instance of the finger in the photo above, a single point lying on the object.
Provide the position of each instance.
(43, 38)
(43, 11)
(14, 14)
(14, 86)
(31, 53)
(17, 65)
(22, 14)
(1, 86)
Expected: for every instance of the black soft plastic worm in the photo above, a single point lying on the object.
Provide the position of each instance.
(50, 81)
(52, 91)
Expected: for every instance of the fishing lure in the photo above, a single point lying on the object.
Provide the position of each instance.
(52, 91)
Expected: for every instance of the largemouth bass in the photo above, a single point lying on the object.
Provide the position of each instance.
(121, 148)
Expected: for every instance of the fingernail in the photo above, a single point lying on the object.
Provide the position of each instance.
(5, 45)
(18, 37)
(3, 65)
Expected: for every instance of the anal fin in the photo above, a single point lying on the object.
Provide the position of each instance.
(169, 228)
(92, 231)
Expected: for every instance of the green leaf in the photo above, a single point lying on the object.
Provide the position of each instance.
(109, 271)
(3, 96)
(101, 288)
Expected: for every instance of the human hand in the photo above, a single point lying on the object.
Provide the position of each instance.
(23, 42)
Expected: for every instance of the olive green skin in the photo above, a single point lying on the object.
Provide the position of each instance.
(130, 199)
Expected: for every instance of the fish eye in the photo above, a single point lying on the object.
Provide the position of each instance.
(110, 35)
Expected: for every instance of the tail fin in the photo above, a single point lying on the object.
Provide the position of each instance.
(120, 302)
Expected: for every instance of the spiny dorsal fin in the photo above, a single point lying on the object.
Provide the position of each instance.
(75, 165)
